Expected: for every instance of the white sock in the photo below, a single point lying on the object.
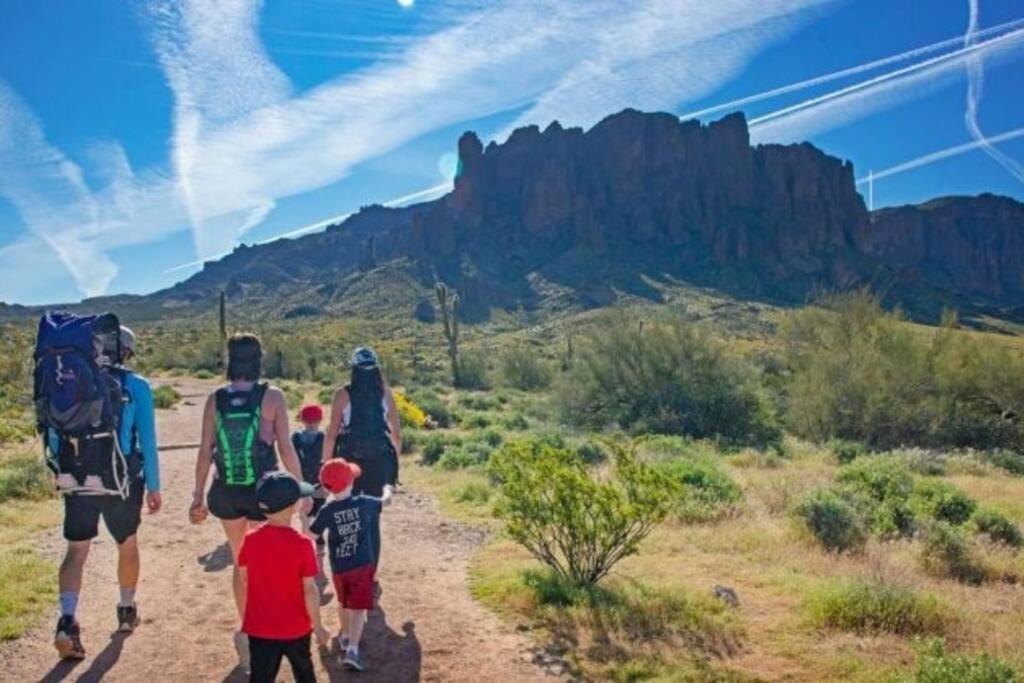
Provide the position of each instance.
(127, 597)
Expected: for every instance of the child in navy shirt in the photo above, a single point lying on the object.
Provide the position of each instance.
(350, 522)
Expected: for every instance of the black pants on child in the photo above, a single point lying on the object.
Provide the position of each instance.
(265, 659)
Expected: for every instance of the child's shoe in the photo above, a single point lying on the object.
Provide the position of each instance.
(353, 662)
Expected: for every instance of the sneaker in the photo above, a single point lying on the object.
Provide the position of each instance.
(343, 642)
(68, 638)
(242, 648)
(127, 618)
(353, 662)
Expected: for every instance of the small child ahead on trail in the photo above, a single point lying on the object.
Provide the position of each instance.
(277, 565)
(351, 522)
(309, 445)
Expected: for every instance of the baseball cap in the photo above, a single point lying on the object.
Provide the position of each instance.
(338, 474)
(277, 490)
(311, 413)
(364, 358)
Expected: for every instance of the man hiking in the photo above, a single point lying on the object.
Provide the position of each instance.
(102, 473)
(242, 423)
(365, 430)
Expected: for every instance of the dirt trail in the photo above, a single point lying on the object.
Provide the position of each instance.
(427, 628)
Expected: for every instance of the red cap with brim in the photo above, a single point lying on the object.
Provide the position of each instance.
(338, 474)
(311, 414)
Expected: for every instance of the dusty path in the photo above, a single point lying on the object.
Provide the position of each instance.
(427, 628)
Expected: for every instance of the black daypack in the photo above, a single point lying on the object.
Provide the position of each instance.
(310, 456)
(78, 400)
(367, 429)
(241, 456)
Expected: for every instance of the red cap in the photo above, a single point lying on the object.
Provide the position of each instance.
(338, 474)
(311, 414)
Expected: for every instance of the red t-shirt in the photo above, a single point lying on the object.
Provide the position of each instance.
(277, 559)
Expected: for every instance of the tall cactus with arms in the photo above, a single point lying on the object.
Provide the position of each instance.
(448, 300)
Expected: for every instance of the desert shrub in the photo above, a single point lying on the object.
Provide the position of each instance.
(473, 493)
(928, 463)
(859, 373)
(865, 606)
(472, 371)
(577, 525)
(203, 374)
(941, 501)
(165, 397)
(835, 523)
(946, 552)
(847, 451)
(705, 491)
(461, 456)
(516, 422)
(409, 412)
(477, 421)
(522, 369)
(1009, 461)
(998, 527)
(880, 487)
(437, 409)
(492, 437)
(410, 439)
(434, 446)
(23, 476)
(591, 452)
(479, 401)
(934, 665)
(667, 379)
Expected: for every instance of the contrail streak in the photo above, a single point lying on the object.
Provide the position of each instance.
(853, 70)
(975, 85)
(1008, 38)
(434, 191)
(932, 157)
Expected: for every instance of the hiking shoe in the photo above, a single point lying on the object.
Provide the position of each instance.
(127, 618)
(343, 642)
(242, 648)
(68, 638)
(353, 662)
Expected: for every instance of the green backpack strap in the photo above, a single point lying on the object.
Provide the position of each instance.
(238, 427)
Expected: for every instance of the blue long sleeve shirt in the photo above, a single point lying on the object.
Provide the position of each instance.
(138, 428)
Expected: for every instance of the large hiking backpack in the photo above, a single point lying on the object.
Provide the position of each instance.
(241, 456)
(310, 455)
(367, 430)
(78, 401)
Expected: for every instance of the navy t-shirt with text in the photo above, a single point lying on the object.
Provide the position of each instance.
(348, 523)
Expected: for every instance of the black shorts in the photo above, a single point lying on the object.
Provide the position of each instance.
(233, 502)
(121, 516)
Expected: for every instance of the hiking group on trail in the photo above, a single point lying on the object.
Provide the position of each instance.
(97, 422)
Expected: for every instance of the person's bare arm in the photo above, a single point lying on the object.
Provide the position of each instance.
(282, 435)
(312, 596)
(204, 460)
(334, 427)
(243, 578)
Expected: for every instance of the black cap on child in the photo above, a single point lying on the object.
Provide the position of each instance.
(277, 490)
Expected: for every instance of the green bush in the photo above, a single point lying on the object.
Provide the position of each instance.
(667, 379)
(705, 491)
(492, 437)
(591, 452)
(866, 607)
(1008, 461)
(472, 371)
(522, 369)
(941, 501)
(477, 421)
(847, 451)
(858, 373)
(435, 445)
(516, 422)
(479, 401)
(165, 397)
(998, 527)
(577, 525)
(880, 487)
(946, 552)
(411, 438)
(934, 665)
(437, 409)
(464, 455)
(473, 493)
(23, 476)
(831, 520)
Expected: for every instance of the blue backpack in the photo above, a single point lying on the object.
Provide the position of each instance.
(79, 398)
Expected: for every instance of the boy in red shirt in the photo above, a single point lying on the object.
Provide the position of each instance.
(278, 565)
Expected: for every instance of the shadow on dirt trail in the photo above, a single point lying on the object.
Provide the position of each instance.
(100, 666)
(389, 655)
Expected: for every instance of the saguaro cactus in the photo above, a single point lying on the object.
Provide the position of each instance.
(223, 329)
(448, 301)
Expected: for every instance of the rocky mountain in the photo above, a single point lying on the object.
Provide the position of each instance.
(637, 200)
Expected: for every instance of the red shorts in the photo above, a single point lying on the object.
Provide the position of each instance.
(355, 588)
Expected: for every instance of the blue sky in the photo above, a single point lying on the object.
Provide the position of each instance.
(139, 138)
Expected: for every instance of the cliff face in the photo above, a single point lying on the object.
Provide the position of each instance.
(640, 182)
(972, 245)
